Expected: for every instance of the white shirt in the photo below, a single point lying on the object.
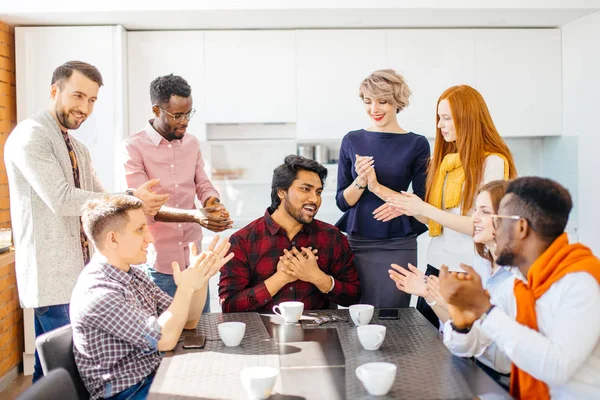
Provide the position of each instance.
(490, 281)
(453, 248)
(565, 353)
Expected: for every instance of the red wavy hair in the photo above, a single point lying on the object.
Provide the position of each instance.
(476, 134)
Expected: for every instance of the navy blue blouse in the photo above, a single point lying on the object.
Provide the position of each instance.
(399, 160)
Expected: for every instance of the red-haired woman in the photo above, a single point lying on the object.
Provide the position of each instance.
(468, 152)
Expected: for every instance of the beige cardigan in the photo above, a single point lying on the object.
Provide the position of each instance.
(46, 208)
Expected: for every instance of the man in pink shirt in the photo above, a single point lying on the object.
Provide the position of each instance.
(163, 150)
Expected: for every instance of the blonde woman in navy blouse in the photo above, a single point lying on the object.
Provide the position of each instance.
(375, 163)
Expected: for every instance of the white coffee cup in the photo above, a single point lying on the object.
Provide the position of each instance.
(377, 377)
(258, 382)
(232, 333)
(371, 336)
(290, 311)
(361, 314)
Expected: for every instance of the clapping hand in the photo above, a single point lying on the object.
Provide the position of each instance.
(213, 219)
(433, 287)
(152, 201)
(464, 293)
(386, 212)
(407, 203)
(411, 281)
(214, 216)
(203, 266)
(363, 166)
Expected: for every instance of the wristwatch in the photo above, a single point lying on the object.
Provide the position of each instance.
(459, 330)
(129, 192)
(358, 185)
(485, 314)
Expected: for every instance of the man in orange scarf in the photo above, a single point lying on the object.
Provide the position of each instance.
(545, 321)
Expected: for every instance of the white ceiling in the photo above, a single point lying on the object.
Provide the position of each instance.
(297, 14)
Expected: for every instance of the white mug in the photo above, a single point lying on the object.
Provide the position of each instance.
(377, 377)
(361, 314)
(258, 382)
(231, 333)
(290, 311)
(371, 336)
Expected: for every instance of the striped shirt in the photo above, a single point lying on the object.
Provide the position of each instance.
(114, 315)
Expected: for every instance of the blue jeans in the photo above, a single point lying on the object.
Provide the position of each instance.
(47, 319)
(167, 284)
(139, 391)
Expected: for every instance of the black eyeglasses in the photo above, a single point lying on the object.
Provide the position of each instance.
(179, 117)
(496, 220)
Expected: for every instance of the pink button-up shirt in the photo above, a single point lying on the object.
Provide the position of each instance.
(179, 166)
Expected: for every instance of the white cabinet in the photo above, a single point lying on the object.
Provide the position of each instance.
(250, 76)
(330, 67)
(431, 61)
(518, 72)
(40, 50)
(152, 54)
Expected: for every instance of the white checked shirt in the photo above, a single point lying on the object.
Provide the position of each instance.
(115, 329)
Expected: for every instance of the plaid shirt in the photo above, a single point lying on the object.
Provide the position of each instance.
(257, 248)
(115, 329)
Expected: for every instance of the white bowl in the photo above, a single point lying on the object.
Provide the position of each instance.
(232, 333)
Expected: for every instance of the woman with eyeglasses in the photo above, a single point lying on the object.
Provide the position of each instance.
(468, 153)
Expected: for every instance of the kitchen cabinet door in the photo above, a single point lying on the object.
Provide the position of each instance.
(518, 72)
(330, 67)
(157, 53)
(39, 50)
(431, 61)
(250, 77)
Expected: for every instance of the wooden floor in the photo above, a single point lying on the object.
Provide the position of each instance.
(17, 387)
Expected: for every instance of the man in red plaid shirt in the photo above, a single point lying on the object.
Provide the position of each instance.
(288, 254)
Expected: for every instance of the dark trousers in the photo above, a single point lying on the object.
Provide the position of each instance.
(422, 305)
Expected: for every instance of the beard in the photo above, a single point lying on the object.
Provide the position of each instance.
(507, 255)
(296, 213)
(63, 117)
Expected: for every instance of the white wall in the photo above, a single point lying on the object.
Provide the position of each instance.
(581, 94)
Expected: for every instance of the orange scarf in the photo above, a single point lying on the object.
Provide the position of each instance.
(560, 259)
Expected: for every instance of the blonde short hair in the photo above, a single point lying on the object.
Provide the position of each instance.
(107, 213)
(386, 84)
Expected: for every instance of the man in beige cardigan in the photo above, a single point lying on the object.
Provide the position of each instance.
(51, 177)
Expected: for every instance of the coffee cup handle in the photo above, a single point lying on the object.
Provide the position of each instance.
(278, 309)
(380, 341)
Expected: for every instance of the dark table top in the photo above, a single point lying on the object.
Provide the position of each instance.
(319, 362)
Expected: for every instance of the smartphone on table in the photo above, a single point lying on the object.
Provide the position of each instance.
(194, 342)
(389, 313)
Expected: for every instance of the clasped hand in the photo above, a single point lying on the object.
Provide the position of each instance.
(300, 265)
(365, 169)
(214, 216)
(464, 293)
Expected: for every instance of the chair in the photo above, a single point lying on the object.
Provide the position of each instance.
(55, 349)
(57, 384)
